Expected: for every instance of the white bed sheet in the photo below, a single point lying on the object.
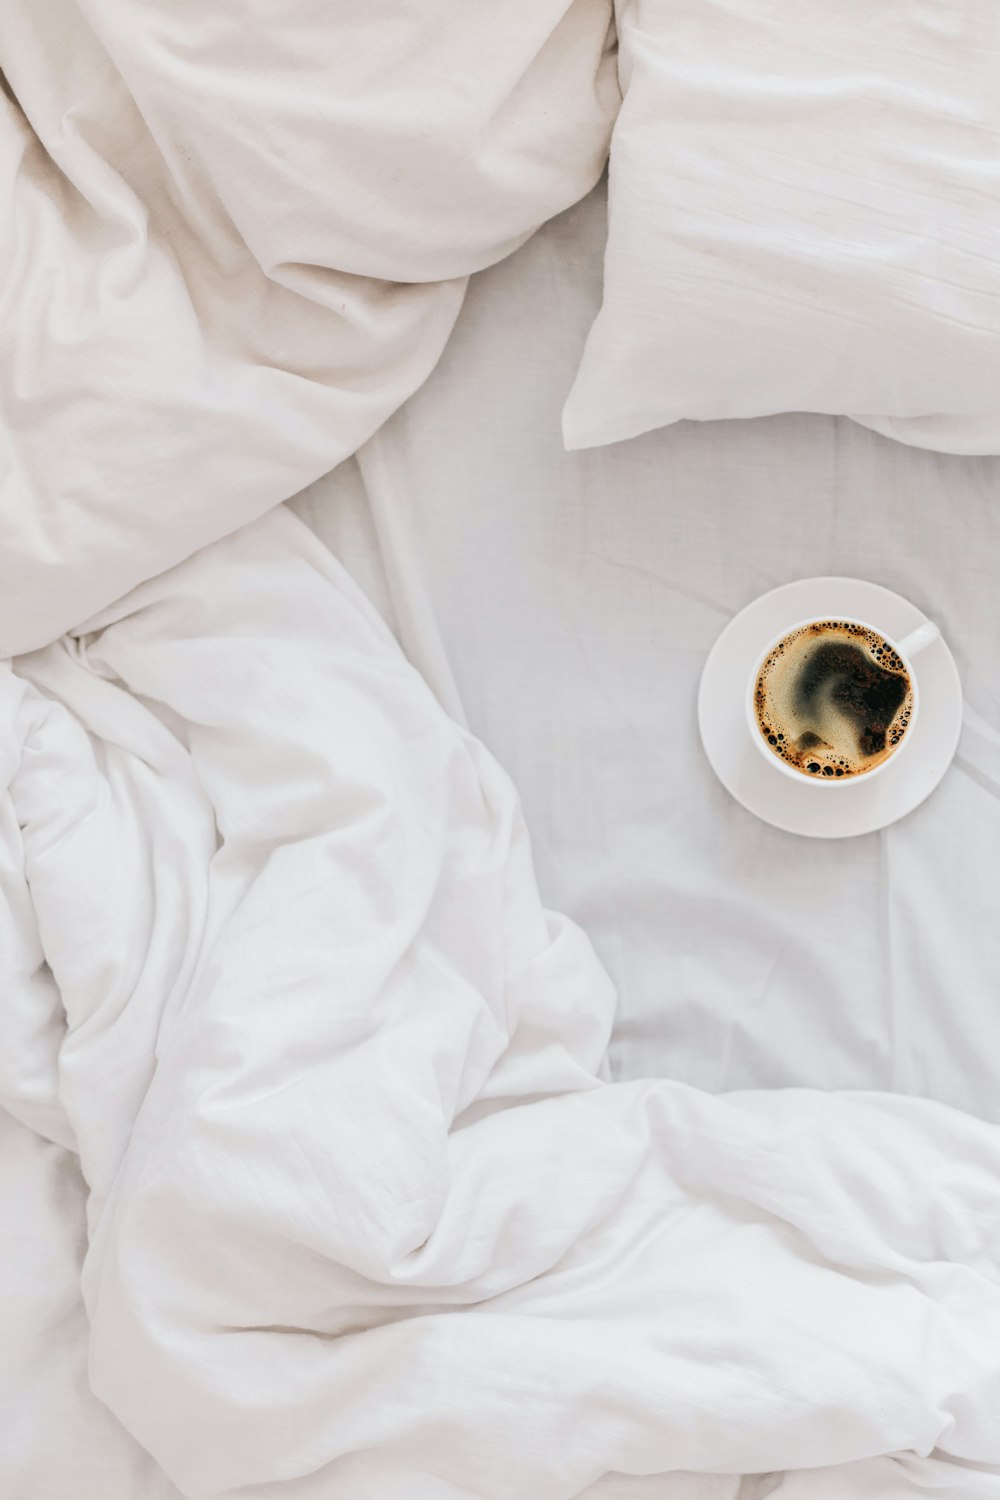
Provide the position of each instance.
(564, 603)
(361, 1218)
(57, 1440)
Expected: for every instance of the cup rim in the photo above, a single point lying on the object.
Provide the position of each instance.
(828, 781)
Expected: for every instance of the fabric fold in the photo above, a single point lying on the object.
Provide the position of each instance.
(360, 1204)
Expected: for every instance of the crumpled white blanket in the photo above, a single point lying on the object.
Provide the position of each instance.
(363, 1218)
(234, 237)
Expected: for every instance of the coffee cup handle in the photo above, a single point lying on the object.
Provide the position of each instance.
(919, 638)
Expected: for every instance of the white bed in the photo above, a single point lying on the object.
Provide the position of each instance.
(567, 603)
(309, 1164)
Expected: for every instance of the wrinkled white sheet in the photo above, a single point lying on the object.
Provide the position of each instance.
(293, 1061)
(226, 256)
(57, 1440)
(565, 604)
(362, 1217)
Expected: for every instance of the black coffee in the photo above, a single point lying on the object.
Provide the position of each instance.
(833, 699)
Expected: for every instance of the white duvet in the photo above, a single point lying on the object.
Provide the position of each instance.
(363, 1220)
(226, 254)
(302, 1088)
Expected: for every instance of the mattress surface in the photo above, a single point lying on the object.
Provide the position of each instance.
(564, 605)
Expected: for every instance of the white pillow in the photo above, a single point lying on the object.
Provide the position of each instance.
(804, 215)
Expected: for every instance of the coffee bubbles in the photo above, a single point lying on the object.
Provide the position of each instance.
(833, 699)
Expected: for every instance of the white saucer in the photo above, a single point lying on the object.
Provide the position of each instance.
(862, 806)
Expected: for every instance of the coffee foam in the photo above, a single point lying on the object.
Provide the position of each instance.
(833, 699)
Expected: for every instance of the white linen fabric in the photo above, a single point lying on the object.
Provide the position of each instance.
(301, 1083)
(57, 1440)
(362, 1217)
(564, 604)
(225, 259)
(804, 216)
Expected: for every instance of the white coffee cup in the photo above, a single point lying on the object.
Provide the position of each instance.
(906, 649)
